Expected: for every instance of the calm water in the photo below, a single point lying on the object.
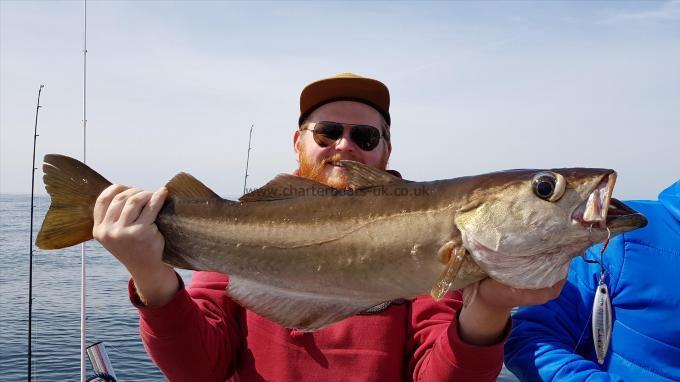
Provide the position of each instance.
(56, 305)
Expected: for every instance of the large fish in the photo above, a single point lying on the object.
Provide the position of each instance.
(305, 255)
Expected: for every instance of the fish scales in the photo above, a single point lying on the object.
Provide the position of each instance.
(363, 249)
(306, 256)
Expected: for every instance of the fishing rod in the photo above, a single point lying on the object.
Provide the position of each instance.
(83, 274)
(30, 252)
(245, 178)
(97, 352)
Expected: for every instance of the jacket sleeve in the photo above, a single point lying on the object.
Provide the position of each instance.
(553, 341)
(195, 336)
(437, 351)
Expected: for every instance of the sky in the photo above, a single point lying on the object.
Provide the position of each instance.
(476, 86)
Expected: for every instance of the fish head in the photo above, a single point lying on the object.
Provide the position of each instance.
(523, 227)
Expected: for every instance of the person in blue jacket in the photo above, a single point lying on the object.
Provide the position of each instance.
(553, 342)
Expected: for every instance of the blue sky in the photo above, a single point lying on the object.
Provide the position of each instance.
(476, 86)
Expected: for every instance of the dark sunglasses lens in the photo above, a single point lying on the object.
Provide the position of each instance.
(326, 133)
(366, 137)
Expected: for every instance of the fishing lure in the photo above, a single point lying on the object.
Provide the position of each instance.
(602, 312)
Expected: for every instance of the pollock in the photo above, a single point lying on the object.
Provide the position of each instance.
(305, 255)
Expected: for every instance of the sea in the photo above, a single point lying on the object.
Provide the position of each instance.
(55, 343)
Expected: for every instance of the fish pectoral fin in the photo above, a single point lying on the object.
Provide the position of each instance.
(286, 186)
(455, 254)
(293, 309)
(361, 176)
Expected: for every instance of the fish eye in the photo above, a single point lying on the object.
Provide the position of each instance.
(549, 186)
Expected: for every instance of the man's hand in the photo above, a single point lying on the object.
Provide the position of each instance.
(124, 224)
(483, 320)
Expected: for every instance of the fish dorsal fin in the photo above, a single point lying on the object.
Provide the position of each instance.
(361, 176)
(293, 309)
(286, 186)
(185, 186)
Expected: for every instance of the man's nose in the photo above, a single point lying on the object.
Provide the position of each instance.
(345, 143)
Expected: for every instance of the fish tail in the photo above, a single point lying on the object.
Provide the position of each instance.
(73, 188)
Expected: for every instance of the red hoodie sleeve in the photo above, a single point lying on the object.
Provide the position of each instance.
(196, 335)
(438, 352)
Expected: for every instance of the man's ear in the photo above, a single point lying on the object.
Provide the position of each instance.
(297, 141)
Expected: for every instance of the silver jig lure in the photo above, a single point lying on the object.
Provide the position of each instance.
(602, 312)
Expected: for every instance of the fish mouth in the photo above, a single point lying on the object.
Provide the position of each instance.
(600, 210)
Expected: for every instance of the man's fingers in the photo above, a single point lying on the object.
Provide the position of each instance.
(117, 204)
(557, 289)
(133, 207)
(498, 294)
(104, 200)
(151, 209)
(541, 296)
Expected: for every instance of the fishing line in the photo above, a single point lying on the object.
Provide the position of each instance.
(600, 282)
(583, 331)
(115, 350)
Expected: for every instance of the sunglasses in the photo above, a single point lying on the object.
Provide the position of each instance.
(326, 133)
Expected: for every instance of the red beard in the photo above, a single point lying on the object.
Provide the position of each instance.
(315, 171)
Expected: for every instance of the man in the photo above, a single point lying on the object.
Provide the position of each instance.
(200, 334)
(554, 342)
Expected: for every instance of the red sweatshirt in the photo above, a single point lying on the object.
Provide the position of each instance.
(202, 335)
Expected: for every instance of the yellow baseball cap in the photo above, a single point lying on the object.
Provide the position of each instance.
(345, 87)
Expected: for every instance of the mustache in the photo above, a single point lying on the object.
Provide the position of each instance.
(333, 158)
(315, 171)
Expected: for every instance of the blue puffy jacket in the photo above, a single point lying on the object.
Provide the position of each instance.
(553, 342)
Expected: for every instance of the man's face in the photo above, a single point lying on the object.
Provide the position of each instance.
(316, 162)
